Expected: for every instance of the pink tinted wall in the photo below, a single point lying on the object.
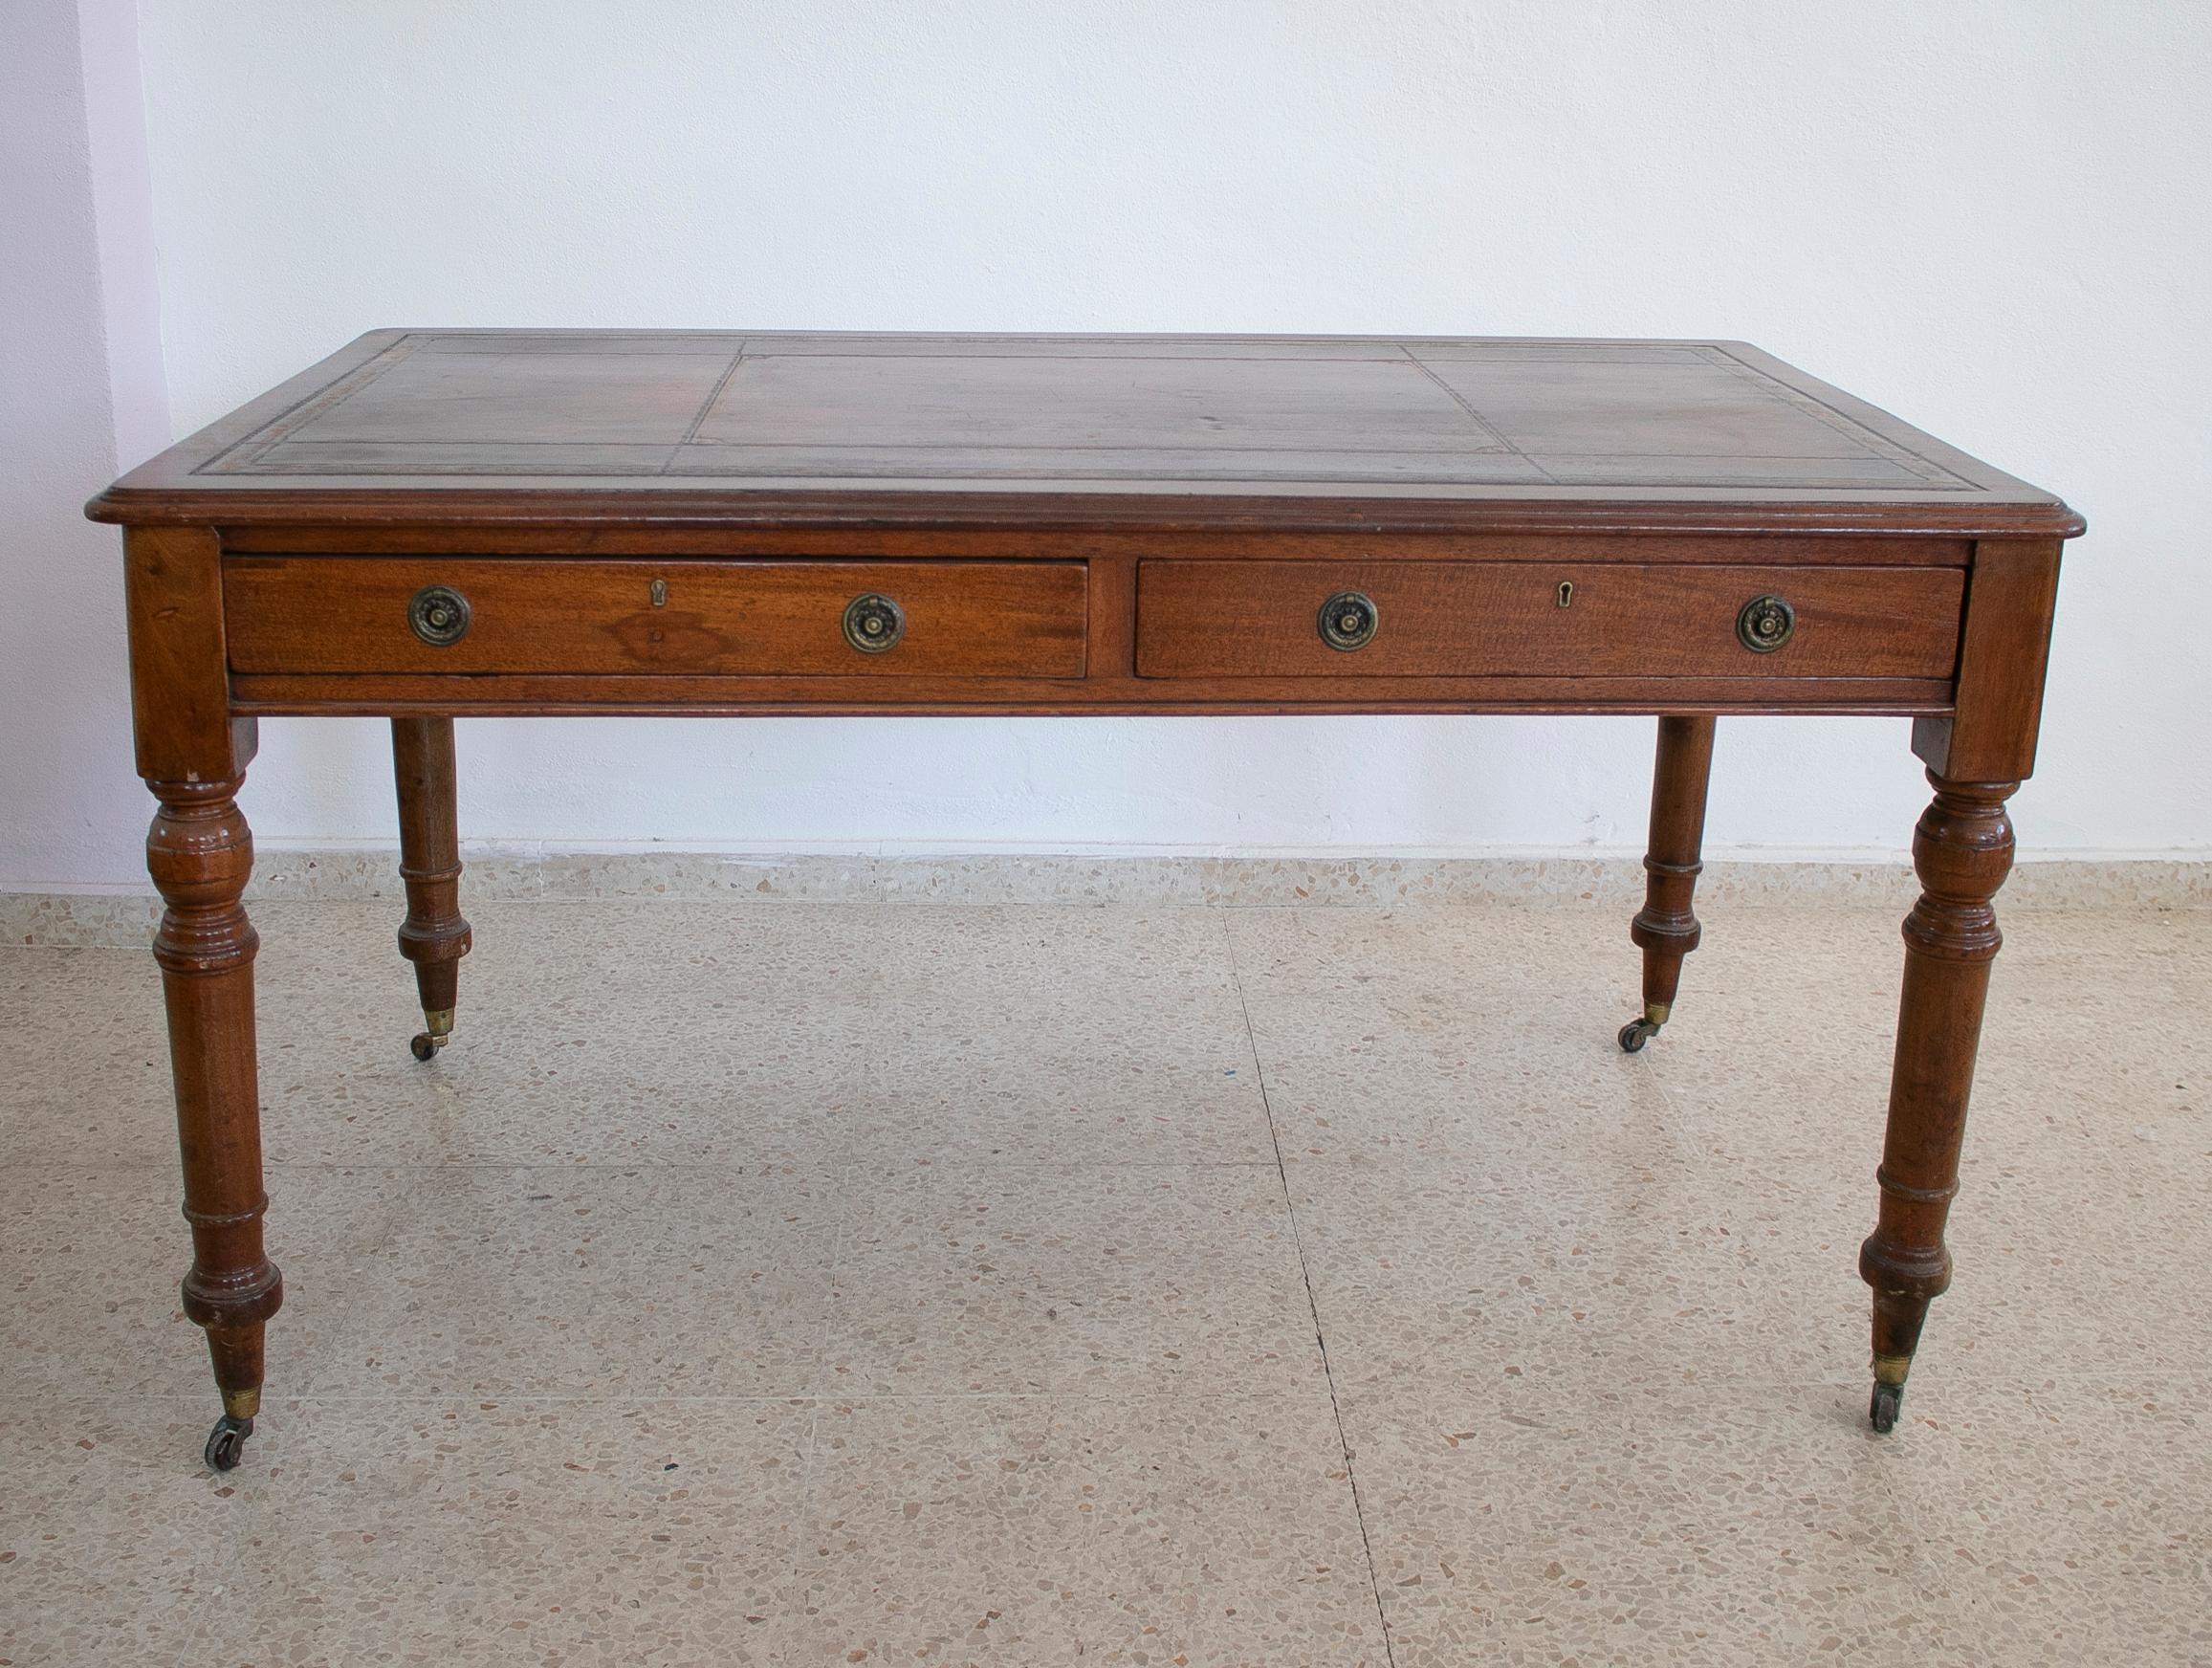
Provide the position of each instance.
(82, 389)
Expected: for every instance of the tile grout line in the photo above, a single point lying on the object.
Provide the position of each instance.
(750, 1167)
(2112, 1382)
(807, 1473)
(1313, 1306)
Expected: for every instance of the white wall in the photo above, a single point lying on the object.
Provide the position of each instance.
(1989, 217)
(80, 384)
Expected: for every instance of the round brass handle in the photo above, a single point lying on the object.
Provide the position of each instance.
(439, 615)
(1348, 620)
(1766, 624)
(874, 624)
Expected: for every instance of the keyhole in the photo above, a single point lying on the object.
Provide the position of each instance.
(658, 590)
(1566, 592)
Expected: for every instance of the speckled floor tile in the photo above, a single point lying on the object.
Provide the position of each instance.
(85, 1058)
(643, 950)
(510, 1532)
(2106, 1030)
(1414, 1075)
(1537, 1525)
(1769, 1222)
(1480, 956)
(2086, 1161)
(965, 1047)
(1044, 1532)
(1444, 1036)
(1557, 1274)
(110, 1543)
(2063, 1522)
(1781, 1039)
(737, 1082)
(93, 1258)
(1093, 1279)
(586, 1281)
(2088, 1017)
(906, 1235)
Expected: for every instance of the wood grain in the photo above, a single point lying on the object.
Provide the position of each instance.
(604, 538)
(322, 614)
(1257, 619)
(181, 715)
(674, 523)
(1665, 929)
(1962, 851)
(435, 935)
(1281, 432)
(2003, 659)
(527, 694)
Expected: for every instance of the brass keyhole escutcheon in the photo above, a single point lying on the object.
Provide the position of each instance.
(874, 624)
(439, 615)
(1765, 623)
(1348, 620)
(658, 593)
(1566, 592)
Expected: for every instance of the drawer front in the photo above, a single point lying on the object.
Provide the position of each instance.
(439, 614)
(1478, 619)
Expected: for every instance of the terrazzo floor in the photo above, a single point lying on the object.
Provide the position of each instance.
(834, 1283)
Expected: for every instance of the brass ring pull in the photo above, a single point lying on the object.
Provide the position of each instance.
(874, 624)
(1766, 624)
(1348, 620)
(439, 615)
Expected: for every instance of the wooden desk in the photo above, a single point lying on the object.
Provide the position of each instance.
(433, 523)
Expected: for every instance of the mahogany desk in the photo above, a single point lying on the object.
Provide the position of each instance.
(441, 523)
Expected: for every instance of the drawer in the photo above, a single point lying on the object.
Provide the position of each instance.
(1485, 619)
(460, 614)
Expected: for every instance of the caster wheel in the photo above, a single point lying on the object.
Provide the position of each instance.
(422, 1045)
(1635, 1034)
(226, 1443)
(1882, 1413)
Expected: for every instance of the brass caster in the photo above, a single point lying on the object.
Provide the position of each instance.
(437, 1032)
(1635, 1034)
(1882, 1413)
(226, 1443)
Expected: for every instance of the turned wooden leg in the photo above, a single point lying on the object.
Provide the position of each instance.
(434, 936)
(199, 853)
(1664, 927)
(1961, 850)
